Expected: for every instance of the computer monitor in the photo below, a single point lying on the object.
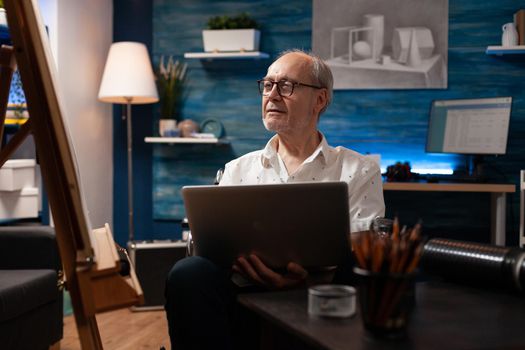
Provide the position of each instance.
(469, 126)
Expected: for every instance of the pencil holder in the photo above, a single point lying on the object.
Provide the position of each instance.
(386, 301)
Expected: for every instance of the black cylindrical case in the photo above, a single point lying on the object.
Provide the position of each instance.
(475, 263)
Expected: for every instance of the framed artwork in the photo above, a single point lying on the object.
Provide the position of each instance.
(383, 44)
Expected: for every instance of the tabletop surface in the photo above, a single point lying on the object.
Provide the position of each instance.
(446, 317)
(449, 187)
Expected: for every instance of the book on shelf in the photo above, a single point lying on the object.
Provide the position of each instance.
(519, 22)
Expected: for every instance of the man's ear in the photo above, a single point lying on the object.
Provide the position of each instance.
(322, 100)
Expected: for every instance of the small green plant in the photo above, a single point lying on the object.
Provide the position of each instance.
(241, 21)
(171, 78)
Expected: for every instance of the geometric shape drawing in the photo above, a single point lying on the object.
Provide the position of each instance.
(401, 44)
(407, 43)
(375, 37)
(414, 58)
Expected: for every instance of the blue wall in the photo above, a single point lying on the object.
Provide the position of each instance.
(390, 122)
(132, 22)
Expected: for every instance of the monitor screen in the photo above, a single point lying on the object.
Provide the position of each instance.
(473, 126)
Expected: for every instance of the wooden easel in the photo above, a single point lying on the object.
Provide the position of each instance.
(89, 258)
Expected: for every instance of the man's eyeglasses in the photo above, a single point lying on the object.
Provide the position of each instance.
(284, 87)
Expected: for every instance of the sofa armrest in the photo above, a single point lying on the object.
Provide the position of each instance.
(28, 247)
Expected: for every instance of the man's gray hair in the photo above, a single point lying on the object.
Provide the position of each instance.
(321, 74)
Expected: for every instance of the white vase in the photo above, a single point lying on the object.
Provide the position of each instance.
(510, 35)
(375, 37)
(231, 40)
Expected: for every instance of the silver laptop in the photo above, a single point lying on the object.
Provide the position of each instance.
(307, 223)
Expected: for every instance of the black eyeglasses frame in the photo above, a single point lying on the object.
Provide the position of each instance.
(294, 83)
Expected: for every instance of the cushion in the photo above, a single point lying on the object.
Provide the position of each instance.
(28, 247)
(24, 290)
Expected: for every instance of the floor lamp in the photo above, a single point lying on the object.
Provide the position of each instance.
(128, 79)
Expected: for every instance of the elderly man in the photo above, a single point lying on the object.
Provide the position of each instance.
(297, 88)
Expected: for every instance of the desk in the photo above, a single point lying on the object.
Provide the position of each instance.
(446, 316)
(498, 197)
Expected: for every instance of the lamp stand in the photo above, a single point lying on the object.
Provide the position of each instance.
(131, 230)
(127, 84)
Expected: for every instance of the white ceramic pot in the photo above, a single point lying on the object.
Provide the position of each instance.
(231, 40)
(510, 35)
(167, 127)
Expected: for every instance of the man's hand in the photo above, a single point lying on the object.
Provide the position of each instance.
(251, 267)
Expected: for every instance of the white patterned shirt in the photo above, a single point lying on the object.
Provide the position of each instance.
(326, 163)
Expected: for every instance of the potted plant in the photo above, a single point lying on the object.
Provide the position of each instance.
(171, 78)
(231, 33)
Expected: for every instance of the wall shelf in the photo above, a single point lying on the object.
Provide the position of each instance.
(227, 55)
(505, 50)
(171, 140)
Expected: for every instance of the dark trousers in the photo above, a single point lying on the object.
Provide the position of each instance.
(201, 308)
(202, 311)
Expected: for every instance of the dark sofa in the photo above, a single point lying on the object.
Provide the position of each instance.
(31, 315)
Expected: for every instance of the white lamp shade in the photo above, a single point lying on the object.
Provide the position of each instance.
(128, 76)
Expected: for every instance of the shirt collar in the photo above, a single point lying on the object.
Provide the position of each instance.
(269, 151)
(323, 151)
